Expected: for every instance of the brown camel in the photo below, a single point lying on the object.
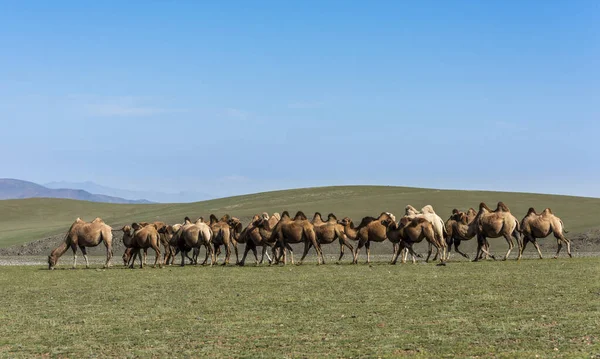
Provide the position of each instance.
(222, 235)
(259, 233)
(494, 224)
(429, 214)
(145, 237)
(329, 231)
(83, 234)
(297, 230)
(409, 231)
(236, 228)
(369, 230)
(195, 235)
(536, 226)
(460, 227)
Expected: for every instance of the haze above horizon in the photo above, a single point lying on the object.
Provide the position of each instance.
(239, 97)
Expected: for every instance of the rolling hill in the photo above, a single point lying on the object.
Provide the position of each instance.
(19, 189)
(26, 220)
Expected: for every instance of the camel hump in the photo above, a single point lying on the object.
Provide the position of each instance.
(366, 220)
(331, 216)
(428, 209)
(277, 216)
(225, 218)
(501, 207)
(300, 216)
(213, 219)
(187, 219)
(531, 210)
(317, 215)
(455, 211)
(285, 214)
(547, 212)
(97, 220)
(482, 205)
(408, 210)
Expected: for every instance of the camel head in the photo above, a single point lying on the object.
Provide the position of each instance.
(235, 224)
(346, 221)
(265, 215)
(389, 223)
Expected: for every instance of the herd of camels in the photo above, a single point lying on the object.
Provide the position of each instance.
(278, 232)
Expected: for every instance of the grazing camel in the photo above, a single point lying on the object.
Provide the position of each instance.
(409, 231)
(329, 231)
(534, 226)
(222, 235)
(369, 230)
(83, 234)
(195, 235)
(145, 237)
(259, 233)
(429, 214)
(494, 224)
(297, 230)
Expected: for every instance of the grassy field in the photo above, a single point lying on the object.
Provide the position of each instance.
(549, 308)
(23, 221)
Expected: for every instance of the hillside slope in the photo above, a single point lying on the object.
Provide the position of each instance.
(19, 189)
(22, 221)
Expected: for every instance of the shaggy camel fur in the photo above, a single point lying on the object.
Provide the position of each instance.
(259, 233)
(195, 235)
(369, 230)
(329, 231)
(83, 234)
(297, 230)
(410, 231)
(429, 214)
(145, 237)
(541, 225)
(494, 224)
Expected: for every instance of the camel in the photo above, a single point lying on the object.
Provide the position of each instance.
(297, 230)
(259, 233)
(429, 214)
(329, 231)
(541, 225)
(409, 231)
(236, 228)
(222, 234)
(369, 230)
(494, 224)
(145, 237)
(195, 235)
(161, 228)
(83, 234)
(460, 226)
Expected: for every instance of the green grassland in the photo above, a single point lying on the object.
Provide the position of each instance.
(23, 221)
(528, 308)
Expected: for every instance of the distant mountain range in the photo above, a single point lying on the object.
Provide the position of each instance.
(154, 196)
(18, 189)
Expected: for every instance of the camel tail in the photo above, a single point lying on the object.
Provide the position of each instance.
(563, 227)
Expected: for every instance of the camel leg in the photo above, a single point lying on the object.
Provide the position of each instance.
(429, 251)
(157, 256)
(456, 244)
(361, 243)
(235, 248)
(84, 251)
(559, 239)
(525, 241)
(145, 256)
(535, 243)
(246, 250)
(182, 258)
(511, 245)
(368, 249)
(74, 248)
(227, 254)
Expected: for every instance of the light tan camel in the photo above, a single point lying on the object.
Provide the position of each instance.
(195, 235)
(494, 224)
(541, 225)
(83, 234)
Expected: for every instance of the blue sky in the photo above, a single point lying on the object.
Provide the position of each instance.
(237, 97)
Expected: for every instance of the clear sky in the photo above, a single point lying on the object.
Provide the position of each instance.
(230, 97)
